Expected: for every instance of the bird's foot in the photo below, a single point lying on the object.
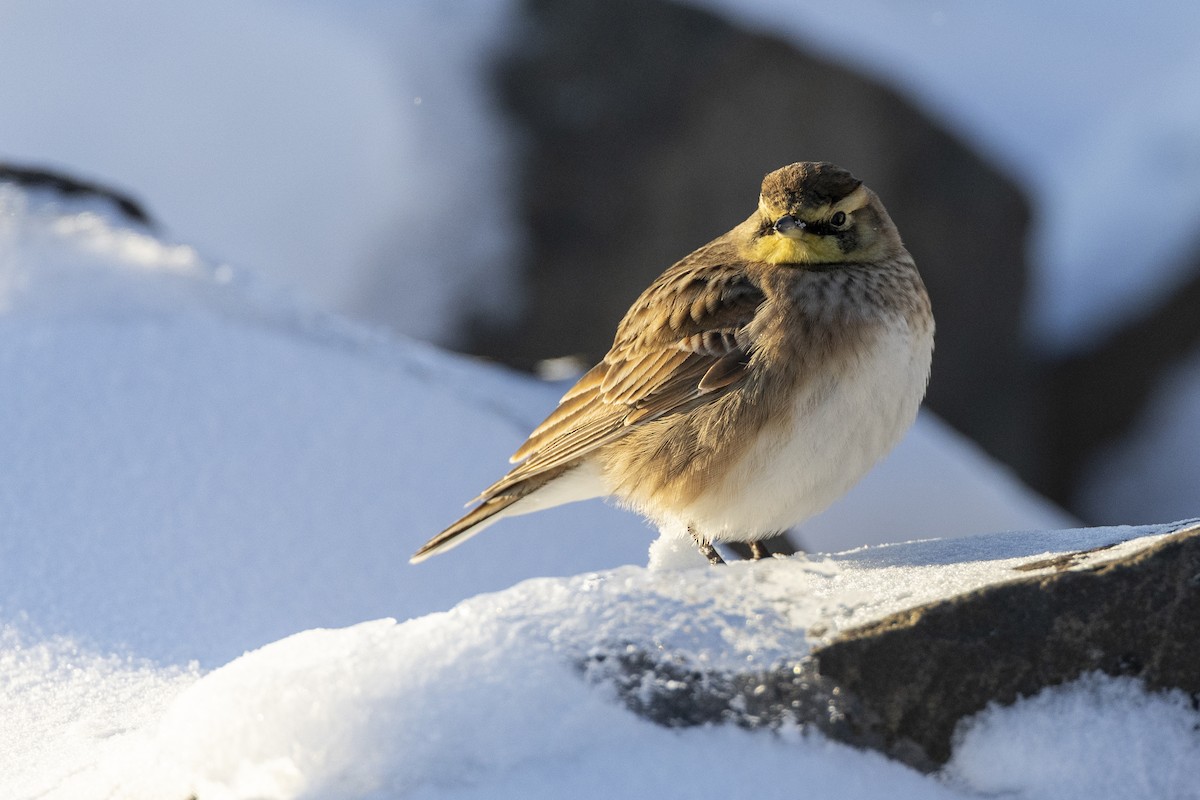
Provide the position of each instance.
(759, 551)
(706, 548)
(711, 553)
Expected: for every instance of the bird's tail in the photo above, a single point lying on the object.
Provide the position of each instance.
(579, 481)
(482, 516)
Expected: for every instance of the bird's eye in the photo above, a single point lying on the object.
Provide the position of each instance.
(838, 219)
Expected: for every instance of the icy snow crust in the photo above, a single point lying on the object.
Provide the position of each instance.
(194, 467)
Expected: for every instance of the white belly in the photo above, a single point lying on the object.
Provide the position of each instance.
(839, 430)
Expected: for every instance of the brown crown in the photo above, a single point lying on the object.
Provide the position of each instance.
(807, 184)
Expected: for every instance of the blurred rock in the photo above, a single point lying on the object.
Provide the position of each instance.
(69, 186)
(902, 684)
(1097, 396)
(648, 127)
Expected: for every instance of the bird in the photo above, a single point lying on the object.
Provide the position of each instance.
(750, 386)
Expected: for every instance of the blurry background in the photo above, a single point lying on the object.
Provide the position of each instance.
(503, 178)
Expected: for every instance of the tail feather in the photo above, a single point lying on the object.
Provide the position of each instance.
(579, 481)
(471, 523)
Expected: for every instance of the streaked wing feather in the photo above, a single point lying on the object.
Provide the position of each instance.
(566, 416)
(679, 345)
(592, 379)
(579, 396)
(558, 452)
(685, 387)
(625, 376)
(642, 375)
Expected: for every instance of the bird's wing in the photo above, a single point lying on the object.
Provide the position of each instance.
(682, 343)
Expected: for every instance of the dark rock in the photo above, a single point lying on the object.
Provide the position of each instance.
(1095, 396)
(902, 684)
(70, 186)
(648, 127)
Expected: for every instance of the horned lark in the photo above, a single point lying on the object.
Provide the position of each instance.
(751, 385)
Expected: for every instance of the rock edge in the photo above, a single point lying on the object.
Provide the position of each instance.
(902, 684)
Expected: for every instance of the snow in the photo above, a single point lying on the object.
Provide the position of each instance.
(484, 700)
(326, 147)
(64, 708)
(173, 426)
(1107, 738)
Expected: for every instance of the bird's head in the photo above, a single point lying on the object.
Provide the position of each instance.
(814, 212)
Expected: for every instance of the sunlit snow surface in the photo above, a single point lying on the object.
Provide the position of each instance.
(194, 467)
(485, 700)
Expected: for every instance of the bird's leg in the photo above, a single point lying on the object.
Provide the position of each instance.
(759, 551)
(706, 548)
(710, 552)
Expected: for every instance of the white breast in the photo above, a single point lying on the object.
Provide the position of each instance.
(838, 431)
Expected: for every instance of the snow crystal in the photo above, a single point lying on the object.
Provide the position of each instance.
(64, 708)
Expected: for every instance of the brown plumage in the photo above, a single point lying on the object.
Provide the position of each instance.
(718, 409)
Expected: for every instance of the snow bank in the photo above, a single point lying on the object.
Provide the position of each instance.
(199, 469)
(486, 700)
(64, 709)
(1100, 737)
(324, 145)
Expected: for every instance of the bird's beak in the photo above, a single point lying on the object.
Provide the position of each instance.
(789, 226)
